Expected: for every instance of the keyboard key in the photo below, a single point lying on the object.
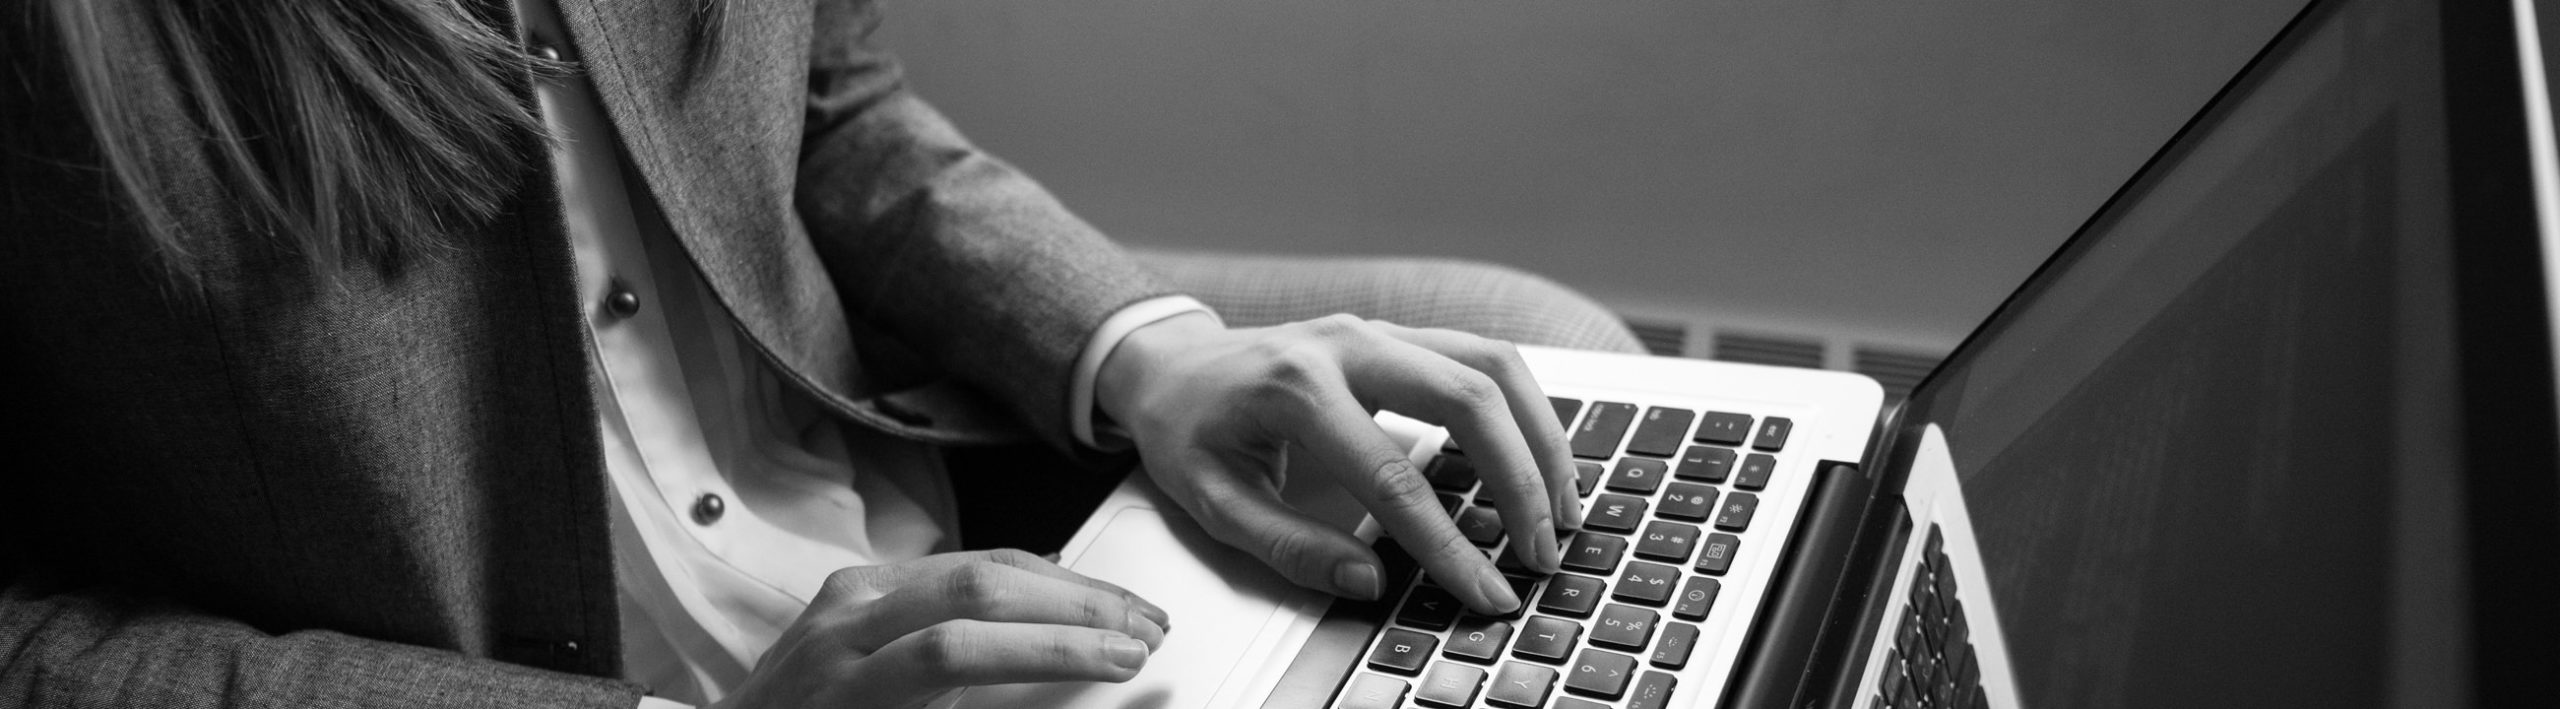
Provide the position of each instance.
(1638, 475)
(1689, 501)
(1402, 651)
(1600, 673)
(1450, 686)
(1678, 640)
(1569, 594)
(1649, 584)
(1565, 409)
(1586, 477)
(1597, 437)
(1654, 692)
(1667, 541)
(1594, 553)
(1451, 472)
(1450, 503)
(1705, 464)
(1428, 607)
(1756, 469)
(1696, 598)
(1478, 639)
(1373, 691)
(1737, 511)
(1661, 432)
(1523, 588)
(1482, 525)
(1547, 639)
(1624, 627)
(1718, 556)
(1722, 428)
(1614, 513)
(1521, 686)
(1398, 564)
(1773, 434)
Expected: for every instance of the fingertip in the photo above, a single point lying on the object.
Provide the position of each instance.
(1358, 580)
(1126, 653)
(1496, 590)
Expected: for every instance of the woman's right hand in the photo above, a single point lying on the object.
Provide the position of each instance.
(899, 635)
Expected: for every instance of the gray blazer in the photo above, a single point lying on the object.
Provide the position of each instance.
(259, 490)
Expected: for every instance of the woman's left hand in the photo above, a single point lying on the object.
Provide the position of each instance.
(1212, 410)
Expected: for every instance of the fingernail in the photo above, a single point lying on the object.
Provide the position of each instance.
(1154, 612)
(1490, 583)
(1128, 653)
(1145, 629)
(1568, 514)
(1354, 579)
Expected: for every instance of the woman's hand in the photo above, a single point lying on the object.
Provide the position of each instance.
(1214, 411)
(896, 636)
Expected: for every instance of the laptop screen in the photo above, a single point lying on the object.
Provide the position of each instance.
(2210, 451)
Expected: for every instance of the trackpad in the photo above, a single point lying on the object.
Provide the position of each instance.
(1225, 605)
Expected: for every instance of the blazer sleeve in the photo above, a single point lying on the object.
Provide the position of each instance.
(957, 255)
(72, 649)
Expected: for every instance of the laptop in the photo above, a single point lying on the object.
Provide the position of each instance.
(2275, 427)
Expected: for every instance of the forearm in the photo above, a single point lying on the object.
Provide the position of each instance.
(64, 648)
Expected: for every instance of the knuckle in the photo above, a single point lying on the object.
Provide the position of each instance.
(1472, 389)
(1397, 480)
(1101, 610)
(975, 587)
(942, 650)
(1289, 548)
(1336, 325)
(1015, 558)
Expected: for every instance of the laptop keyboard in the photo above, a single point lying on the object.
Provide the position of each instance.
(1669, 494)
(1931, 665)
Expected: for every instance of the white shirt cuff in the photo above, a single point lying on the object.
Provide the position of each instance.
(1080, 407)
(662, 703)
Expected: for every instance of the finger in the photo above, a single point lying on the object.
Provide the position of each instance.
(984, 590)
(1341, 437)
(968, 653)
(1418, 382)
(1049, 567)
(1528, 401)
(1245, 512)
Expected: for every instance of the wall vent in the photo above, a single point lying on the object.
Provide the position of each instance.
(1898, 370)
(1661, 337)
(1765, 348)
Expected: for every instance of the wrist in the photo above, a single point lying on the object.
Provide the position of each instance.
(1120, 384)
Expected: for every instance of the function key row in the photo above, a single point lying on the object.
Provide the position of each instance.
(1661, 431)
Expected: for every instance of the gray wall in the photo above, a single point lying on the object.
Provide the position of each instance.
(1871, 166)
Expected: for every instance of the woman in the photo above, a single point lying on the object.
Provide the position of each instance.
(468, 352)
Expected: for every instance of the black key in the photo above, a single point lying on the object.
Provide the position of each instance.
(1737, 511)
(1959, 634)
(1624, 627)
(1907, 639)
(1614, 513)
(1450, 685)
(1696, 598)
(1482, 525)
(1600, 673)
(1756, 469)
(1522, 588)
(1565, 409)
(1649, 584)
(1594, 553)
(1689, 501)
(1773, 434)
(1705, 464)
(1547, 639)
(1450, 503)
(1573, 703)
(1451, 472)
(1718, 556)
(1428, 607)
(1484, 496)
(1638, 475)
(1586, 477)
(1723, 428)
(1572, 595)
(1402, 651)
(1678, 640)
(1373, 691)
(1398, 564)
(1653, 692)
(1521, 686)
(1598, 435)
(1661, 432)
(1667, 541)
(1478, 639)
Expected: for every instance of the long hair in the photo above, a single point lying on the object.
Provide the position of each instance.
(355, 132)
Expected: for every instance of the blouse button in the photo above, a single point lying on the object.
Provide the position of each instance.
(622, 302)
(707, 509)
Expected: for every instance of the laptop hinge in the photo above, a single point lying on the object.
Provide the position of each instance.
(1776, 662)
